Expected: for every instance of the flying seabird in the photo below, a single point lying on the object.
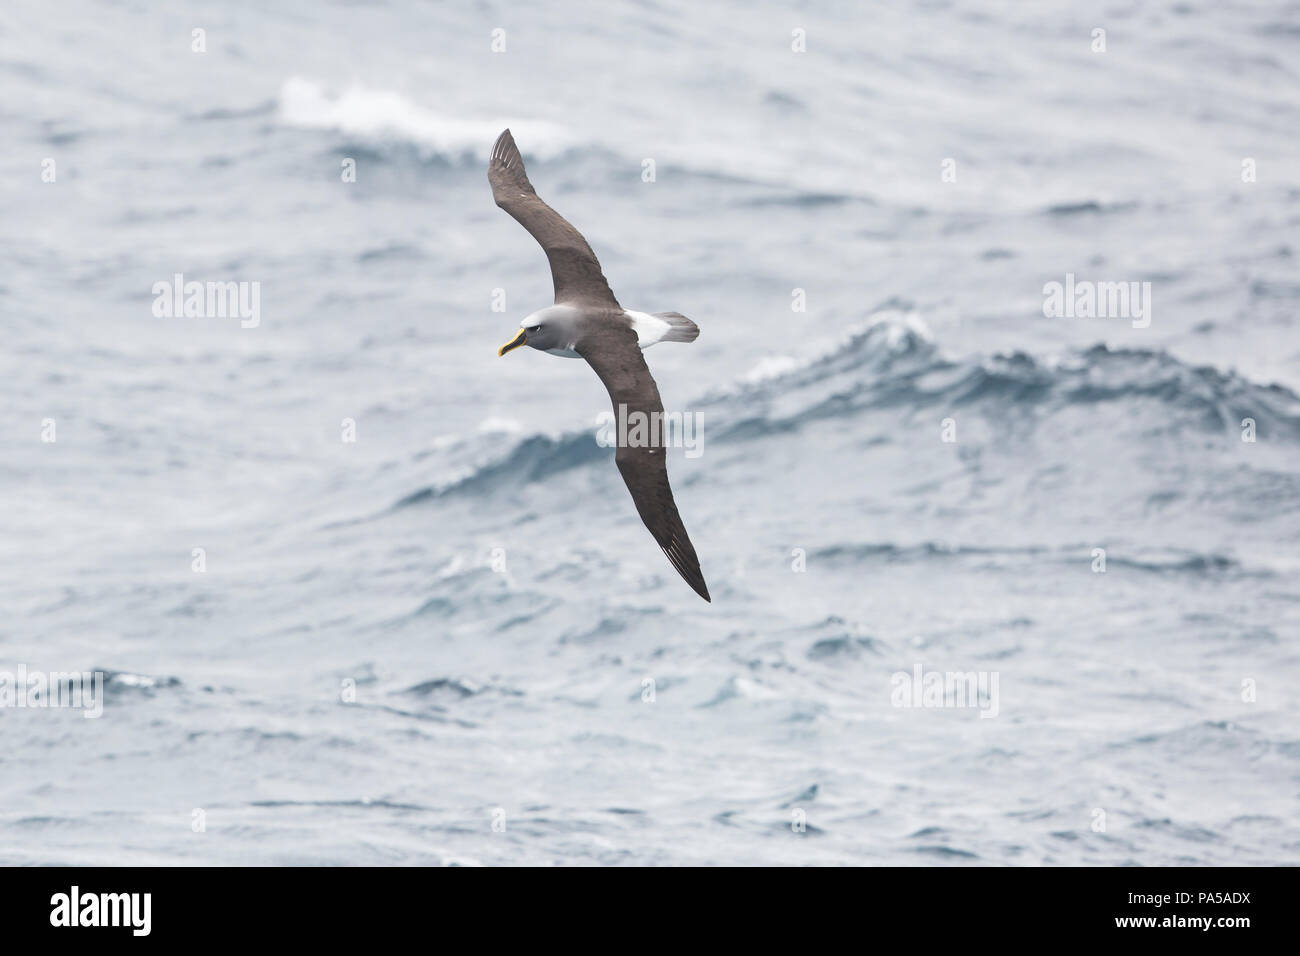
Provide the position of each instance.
(587, 322)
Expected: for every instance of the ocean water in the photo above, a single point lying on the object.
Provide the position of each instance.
(451, 640)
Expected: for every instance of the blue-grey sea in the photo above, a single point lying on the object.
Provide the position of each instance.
(451, 640)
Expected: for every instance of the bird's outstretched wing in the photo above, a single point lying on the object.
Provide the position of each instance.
(613, 352)
(574, 267)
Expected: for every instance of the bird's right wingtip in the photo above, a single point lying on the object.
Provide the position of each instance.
(504, 151)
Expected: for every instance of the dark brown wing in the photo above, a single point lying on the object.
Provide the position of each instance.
(574, 268)
(613, 352)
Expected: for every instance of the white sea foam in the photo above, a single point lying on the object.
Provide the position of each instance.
(378, 114)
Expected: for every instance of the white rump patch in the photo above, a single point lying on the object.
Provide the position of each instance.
(649, 328)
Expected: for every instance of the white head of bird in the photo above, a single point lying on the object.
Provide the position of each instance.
(553, 329)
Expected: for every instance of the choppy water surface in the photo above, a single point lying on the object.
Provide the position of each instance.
(471, 572)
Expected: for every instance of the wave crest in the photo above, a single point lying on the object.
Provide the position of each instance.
(382, 115)
(894, 362)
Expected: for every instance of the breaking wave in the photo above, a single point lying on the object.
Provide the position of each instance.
(893, 362)
(384, 115)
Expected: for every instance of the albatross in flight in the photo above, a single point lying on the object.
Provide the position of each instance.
(587, 322)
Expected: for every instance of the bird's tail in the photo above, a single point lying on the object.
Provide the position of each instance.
(683, 329)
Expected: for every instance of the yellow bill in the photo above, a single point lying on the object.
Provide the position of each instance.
(518, 340)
